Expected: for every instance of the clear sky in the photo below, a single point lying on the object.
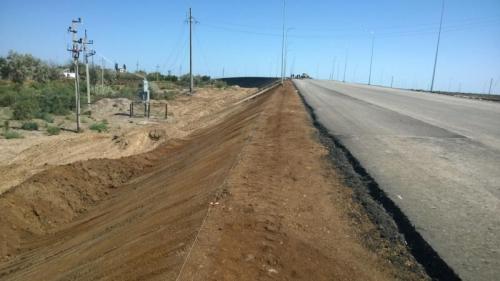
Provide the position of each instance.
(244, 37)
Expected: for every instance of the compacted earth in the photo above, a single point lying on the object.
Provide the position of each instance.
(252, 196)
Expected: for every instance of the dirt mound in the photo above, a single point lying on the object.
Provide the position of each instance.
(129, 218)
(56, 196)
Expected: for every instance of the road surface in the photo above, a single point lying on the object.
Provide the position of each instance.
(437, 157)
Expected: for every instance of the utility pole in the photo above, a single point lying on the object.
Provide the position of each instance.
(491, 85)
(191, 81)
(371, 60)
(437, 47)
(75, 52)
(286, 51)
(345, 65)
(283, 46)
(333, 68)
(87, 53)
(102, 74)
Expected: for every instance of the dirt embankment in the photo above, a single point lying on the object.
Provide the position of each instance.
(22, 158)
(251, 198)
(125, 219)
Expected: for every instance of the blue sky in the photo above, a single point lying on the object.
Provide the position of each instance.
(244, 37)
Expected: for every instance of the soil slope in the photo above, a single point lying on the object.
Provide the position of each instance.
(250, 198)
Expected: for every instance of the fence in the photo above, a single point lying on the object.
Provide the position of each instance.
(142, 109)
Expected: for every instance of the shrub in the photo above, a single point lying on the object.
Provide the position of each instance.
(6, 125)
(99, 127)
(219, 84)
(51, 130)
(46, 117)
(24, 109)
(30, 126)
(12, 135)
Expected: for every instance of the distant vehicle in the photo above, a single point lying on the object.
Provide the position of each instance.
(305, 76)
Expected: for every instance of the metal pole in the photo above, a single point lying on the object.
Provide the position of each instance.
(437, 47)
(190, 52)
(75, 51)
(371, 60)
(85, 42)
(77, 97)
(491, 85)
(283, 46)
(102, 76)
(392, 80)
(333, 68)
(286, 52)
(345, 65)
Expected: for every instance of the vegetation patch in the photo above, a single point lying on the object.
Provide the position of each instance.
(30, 126)
(99, 127)
(51, 130)
(12, 135)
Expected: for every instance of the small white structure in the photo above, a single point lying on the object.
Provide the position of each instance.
(68, 74)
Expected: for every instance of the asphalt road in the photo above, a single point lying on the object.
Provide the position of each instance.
(437, 157)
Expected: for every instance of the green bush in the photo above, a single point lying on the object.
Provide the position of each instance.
(12, 135)
(51, 130)
(6, 125)
(99, 127)
(24, 109)
(219, 84)
(30, 126)
(46, 117)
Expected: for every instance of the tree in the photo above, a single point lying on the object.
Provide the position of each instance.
(3, 68)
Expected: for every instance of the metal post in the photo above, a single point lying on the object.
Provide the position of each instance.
(437, 47)
(491, 85)
(166, 110)
(371, 60)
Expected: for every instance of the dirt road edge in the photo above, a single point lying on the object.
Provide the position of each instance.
(391, 221)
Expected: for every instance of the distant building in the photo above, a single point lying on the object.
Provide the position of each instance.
(67, 74)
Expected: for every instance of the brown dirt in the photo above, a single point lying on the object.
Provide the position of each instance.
(22, 158)
(252, 198)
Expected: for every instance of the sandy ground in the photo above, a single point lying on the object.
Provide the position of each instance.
(22, 158)
(251, 198)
